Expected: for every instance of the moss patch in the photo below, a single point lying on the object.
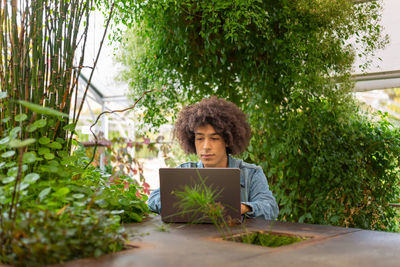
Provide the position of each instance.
(266, 239)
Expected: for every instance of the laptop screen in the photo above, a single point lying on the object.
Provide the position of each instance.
(176, 183)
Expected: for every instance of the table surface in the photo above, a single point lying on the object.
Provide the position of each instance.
(201, 245)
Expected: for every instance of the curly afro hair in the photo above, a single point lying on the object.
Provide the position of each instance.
(224, 116)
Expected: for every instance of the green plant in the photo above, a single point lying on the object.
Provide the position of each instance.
(348, 174)
(266, 239)
(53, 210)
(200, 203)
(42, 237)
(43, 221)
(287, 64)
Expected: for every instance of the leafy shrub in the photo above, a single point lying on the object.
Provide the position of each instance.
(53, 206)
(333, 168)
(47, 237)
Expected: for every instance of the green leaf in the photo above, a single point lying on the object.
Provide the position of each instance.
(123, 201)
(49, 156)
(31, 128)
(11, 164)
(102, 203)
(23, 186)
(8, 180)
(63, 191)
(21, 117)
(42, 110)
(14, 170)
(29, 157)
(44, 140)
(78, 196)
(50, 168)
(14, 132)
(117, 211)
(18, 143)
(40, 123)
(70, 127)
(5, 140)
(55, 145)
(44, 193)
(334, 219)
(79, 204)
(43, 150)
(31, 177)
(60, 140)
(63, 154)
(3, 94)
(8, 154)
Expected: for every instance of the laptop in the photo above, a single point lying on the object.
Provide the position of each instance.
(223, 182)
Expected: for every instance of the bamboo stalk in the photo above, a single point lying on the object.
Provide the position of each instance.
(39, 41)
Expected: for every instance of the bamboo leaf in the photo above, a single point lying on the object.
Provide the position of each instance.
(42, 110)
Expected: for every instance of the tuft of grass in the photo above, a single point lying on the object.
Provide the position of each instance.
(200, 201)
(267, 239)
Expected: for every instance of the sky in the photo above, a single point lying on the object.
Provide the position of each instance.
(391, 54)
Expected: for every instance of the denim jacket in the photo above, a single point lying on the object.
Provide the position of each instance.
(254, 189)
